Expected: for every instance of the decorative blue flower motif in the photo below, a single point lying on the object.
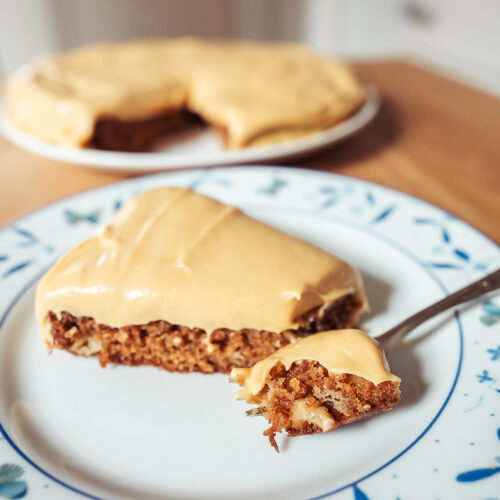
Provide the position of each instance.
(74, 218)
(28, 239)
(16, 268)
(24, 240)
(10, 487)
(477, 474)
(440, 225)
(117, 205)
(276, 185)
(457, 253)
(495, 353)
(329, 196)
(484, 377)
(461, 254)
(208, 176)
(383, 215)
(370, 205)
(442, 265)
(491, 314)
(462, 257)
(358, 494)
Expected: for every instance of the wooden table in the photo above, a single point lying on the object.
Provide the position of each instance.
(433, 138)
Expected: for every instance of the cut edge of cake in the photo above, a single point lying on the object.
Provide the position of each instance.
(183, 349)
(319, 383)
(52, 89)
(167, 283)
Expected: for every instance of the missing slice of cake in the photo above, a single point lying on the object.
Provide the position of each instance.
(181, 281)
(125, 96)
(318, 383)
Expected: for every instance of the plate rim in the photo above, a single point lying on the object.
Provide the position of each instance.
(118, 161)
(426, 429)
(287, 168)
(291, 170)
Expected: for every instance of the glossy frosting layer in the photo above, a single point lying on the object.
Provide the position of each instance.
(188, 259)
(259, 93)
(339, 351)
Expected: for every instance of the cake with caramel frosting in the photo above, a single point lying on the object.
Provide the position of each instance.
(318, 383)
(183, 282)
(124, 96)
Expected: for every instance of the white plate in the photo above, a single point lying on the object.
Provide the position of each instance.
(197, 147)
(72, 429)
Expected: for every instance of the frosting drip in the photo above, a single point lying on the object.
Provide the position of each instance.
(339, 351)
(188, 259)
(259, 93)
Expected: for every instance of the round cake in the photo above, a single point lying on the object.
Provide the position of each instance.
(124, 96)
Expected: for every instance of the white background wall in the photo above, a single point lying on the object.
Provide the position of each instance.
(459, 37)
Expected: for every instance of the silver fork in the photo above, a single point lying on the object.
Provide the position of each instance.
(393, 337)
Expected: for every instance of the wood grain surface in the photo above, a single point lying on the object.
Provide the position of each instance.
(433, 138)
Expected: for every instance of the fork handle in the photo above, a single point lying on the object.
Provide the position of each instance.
(393, 337)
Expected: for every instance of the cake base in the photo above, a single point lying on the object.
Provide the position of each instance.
(307, 399)
(183, 349)
(113, 134)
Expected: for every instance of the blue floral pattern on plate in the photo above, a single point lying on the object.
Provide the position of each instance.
(10, 486)
(452, 251)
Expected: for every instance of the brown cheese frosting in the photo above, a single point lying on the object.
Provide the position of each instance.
(175, 255)
(258, 93)
(339, 351)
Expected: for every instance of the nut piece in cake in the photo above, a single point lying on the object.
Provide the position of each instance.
(318, 383)
(181, 281)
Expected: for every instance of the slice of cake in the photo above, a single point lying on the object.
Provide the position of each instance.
(181, 281)
(318, 383)
(124, 96)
